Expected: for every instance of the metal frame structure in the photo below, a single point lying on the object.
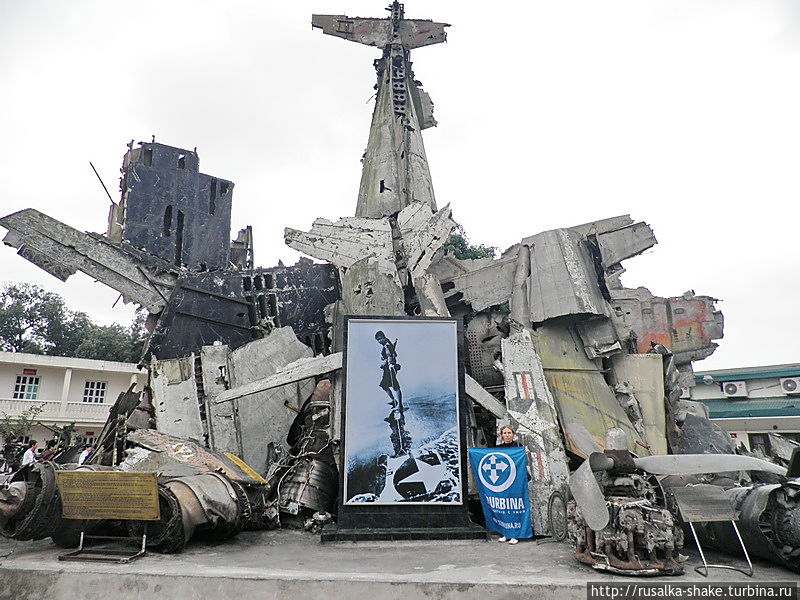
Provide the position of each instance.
(704, 504)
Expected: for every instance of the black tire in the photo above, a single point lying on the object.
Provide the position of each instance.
(557, 516)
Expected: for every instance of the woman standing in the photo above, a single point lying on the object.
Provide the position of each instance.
(507, 436)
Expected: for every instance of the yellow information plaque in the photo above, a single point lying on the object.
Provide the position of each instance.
(108, 495)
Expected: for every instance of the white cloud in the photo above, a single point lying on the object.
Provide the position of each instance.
(682, 113)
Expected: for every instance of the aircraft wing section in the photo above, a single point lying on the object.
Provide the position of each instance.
(414, 33)
(372, 32)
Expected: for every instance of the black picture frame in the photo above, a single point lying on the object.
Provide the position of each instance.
(404, 519)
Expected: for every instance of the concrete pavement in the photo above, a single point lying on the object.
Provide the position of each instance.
(294, 564)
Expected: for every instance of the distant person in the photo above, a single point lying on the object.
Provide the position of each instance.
(85, 454)
(49, 451)
(9, 450)
(30, 454)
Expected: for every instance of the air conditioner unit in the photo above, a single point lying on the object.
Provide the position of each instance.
(735, 389)
(790, 385)
(686, 393)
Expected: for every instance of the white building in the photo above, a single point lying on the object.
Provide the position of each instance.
(70, 390)
(752, 402)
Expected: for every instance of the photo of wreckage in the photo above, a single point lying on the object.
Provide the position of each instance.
(241, 414)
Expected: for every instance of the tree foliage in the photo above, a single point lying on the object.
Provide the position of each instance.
(37, 321)
(12, 428)
(458, 245)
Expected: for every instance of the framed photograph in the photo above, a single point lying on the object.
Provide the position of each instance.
(402, 438)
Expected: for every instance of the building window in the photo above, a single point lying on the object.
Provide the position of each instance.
(94, 391)
(26, 387)
(90, 440)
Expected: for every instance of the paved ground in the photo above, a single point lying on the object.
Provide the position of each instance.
(294, 564)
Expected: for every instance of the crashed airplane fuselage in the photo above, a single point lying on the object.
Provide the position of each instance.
(556, 346)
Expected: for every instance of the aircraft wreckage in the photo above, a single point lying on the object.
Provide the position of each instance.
(240, 417)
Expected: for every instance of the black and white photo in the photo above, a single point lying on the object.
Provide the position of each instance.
(402, 440)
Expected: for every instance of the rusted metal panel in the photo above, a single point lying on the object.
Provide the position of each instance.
(579, 387)
(685, 325)
(222, 420)
(62, 250)
(344, 242)
(171, 456)
(298, 370)
(482, 282)
(563, 278)
(265, 417)
(368, 31)
(532, 409)
(645, 374)
(96, 495)
(615, 246)
(476, 391)
(413, 33)
(174, 212)
(177, 409)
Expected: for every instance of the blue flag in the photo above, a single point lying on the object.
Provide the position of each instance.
(502, 478)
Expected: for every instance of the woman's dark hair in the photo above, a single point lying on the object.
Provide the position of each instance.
(380, 336)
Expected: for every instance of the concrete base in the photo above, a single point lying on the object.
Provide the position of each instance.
(294, 564)
(334, 533)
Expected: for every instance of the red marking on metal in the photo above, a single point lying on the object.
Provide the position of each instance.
(525, 386)
(540, 465)
(684, 330)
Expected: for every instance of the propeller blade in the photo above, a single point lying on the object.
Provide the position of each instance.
(694, 464)
(589, 497)
(582, 439)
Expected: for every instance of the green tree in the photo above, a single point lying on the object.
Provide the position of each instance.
(36, 321)
(107, 342)
(458, 245)
(26, 313)
(12, 428)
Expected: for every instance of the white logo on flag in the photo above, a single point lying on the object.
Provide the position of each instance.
(497, 472)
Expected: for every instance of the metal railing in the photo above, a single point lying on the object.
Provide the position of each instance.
(56, 410)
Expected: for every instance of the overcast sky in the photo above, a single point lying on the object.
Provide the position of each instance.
(682, 113)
